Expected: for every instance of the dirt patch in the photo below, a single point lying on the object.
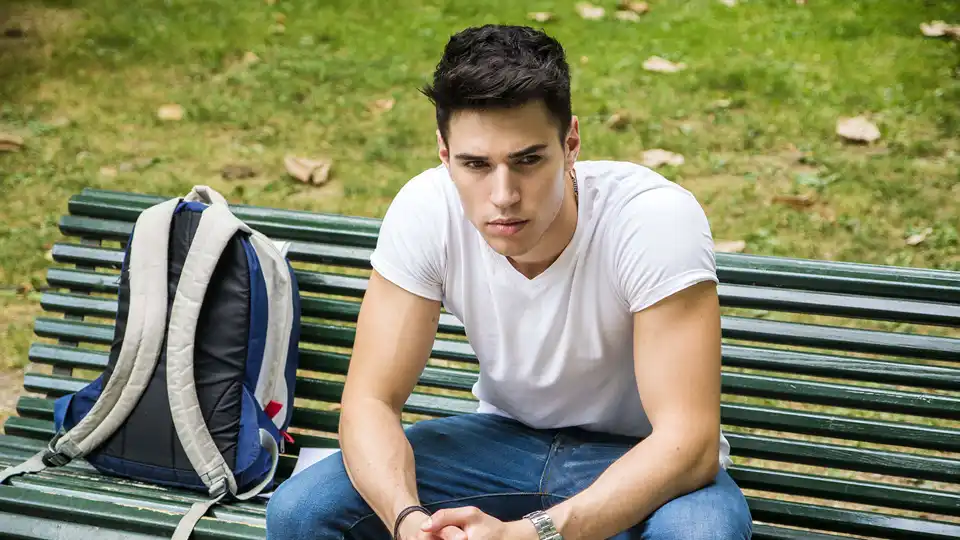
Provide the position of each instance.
(11, 385)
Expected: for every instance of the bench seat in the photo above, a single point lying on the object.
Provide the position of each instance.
(841, 384)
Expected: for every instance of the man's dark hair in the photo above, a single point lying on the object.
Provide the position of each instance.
(499, 66)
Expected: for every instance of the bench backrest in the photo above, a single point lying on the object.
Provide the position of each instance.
(858, 404)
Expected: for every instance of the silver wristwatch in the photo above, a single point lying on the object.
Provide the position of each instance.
(544, 525)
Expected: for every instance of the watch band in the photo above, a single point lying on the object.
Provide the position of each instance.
(544, 525)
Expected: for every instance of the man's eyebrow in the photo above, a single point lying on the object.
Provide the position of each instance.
(520, 153)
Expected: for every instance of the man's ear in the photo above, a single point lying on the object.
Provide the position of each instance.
(442, 150)
(572, 144)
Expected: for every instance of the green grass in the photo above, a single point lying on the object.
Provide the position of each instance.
(84, 85)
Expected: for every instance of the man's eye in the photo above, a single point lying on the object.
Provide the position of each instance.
(530, 160)
(475, 164)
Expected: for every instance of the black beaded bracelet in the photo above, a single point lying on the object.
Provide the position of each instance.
(406, 512)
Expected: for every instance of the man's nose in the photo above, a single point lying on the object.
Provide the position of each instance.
(504, 192)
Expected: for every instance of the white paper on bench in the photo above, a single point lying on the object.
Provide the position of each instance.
(307, 457)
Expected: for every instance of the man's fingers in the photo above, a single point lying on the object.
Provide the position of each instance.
(452, 533)
(456, 517)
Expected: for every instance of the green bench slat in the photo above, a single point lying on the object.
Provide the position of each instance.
(851, 521)
(855, 491)
(841, 367)
(845, 457)
(841, 277)
(736, 383)
(841, 339)
(819, 454)
(63, 517)
(142, 201)
(272, 228)
(764, 531)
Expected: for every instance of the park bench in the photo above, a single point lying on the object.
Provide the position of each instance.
(834, 429)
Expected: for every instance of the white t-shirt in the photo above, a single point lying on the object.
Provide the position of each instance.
(557, 350)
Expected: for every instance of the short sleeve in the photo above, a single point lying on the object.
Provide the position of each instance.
(411, 246)
(663, 245)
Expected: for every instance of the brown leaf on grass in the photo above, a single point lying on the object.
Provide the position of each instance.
(662, 65)
(383, 105)
(280, 18)
(278, 29)
(659, 157)
(109, 172)
(309, 171)
(917, 239)
(857, 129)
(10, 142)
(628, 16)
(940, 29)
(584, 59)
(270, 2)
(250, 57)
(729, 246)
(636, 7)
(801, 2)
(589, 11)
(618, 120)
(800, 202)
(170, 112)
(540, 16)
(237, 172)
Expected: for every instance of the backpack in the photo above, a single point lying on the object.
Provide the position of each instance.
(198, 391)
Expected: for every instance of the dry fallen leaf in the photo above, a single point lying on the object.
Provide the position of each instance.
(729, 246)
(250, 57)
(940, 29)
(659, 157)
(729, 3)
(278, 29)
(308, 171)
(280, 18)
(589, 11)
(857, 129)
(636, 7)
(628, 16)
(170, 112)
(237, 172)
(618, 120)
(800, 202)
(109, 172)
(584, 59)
(916, 239)
(801, 2)
(540, 16)
(661, 65)
(10, 142)
(270, 2)
(383, 105)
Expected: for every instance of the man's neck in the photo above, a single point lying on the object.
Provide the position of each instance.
(555, 239)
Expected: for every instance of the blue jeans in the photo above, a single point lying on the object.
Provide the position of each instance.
(506, 470)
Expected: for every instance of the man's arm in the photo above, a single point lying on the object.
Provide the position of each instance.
(677, 358)
(395, 333)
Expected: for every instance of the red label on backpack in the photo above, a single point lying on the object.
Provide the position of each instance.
(272, 409)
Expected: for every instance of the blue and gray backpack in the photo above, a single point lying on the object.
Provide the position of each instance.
(198, 392)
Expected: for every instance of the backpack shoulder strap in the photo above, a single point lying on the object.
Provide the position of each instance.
(217, 226)
(137, 360)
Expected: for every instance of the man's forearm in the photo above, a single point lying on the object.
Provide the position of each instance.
(652, 473)
(378, 457)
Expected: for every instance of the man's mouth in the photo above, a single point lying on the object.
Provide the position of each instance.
(506, 227)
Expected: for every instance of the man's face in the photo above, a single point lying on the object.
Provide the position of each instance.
(510, 170)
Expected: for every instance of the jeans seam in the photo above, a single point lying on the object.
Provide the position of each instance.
(546, 466)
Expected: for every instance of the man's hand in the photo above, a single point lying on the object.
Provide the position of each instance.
(469, 523)
(412, 528)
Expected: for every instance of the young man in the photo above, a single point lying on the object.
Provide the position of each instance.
(587, 290)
